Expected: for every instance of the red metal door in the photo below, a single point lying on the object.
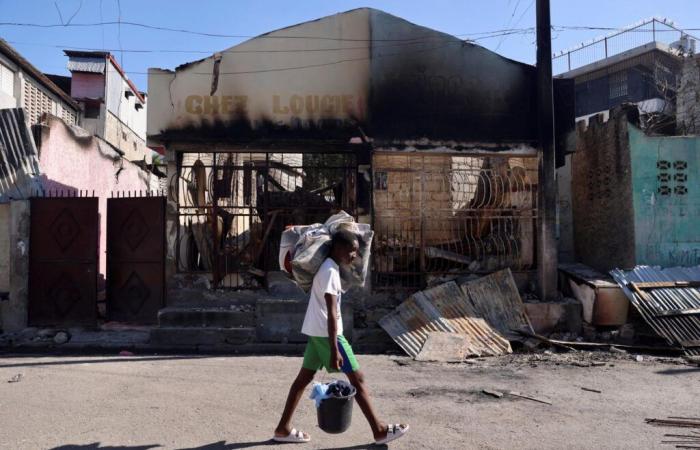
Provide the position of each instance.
(135, 258)
(63, 261)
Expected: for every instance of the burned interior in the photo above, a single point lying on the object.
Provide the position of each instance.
(233, 207)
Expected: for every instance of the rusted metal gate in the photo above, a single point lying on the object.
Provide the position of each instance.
(63, 261)
(233, 207)
(135, 258)
(445, 215)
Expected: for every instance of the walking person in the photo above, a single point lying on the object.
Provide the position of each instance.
(327, 347)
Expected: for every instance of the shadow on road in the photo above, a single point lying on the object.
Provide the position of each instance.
(222, 445)
(115, 359)
(96, 446)
(682, 371)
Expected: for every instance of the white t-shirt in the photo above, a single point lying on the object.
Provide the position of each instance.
(326, 281)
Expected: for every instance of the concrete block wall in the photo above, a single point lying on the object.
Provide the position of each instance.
(601, 193)
(688, 97)
(125, 139)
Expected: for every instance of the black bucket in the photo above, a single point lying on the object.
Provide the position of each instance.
(335, 413)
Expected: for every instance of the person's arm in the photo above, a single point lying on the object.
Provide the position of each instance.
(336, 357)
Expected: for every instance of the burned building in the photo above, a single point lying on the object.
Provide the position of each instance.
(431, 139)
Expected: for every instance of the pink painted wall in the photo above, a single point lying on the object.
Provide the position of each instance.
(71, 162)
(87, 85)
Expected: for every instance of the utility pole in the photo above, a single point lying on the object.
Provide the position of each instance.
(547, 195)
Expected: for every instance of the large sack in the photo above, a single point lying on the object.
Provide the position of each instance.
(313, 244)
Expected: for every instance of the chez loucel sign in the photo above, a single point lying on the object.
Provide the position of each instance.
(327, 105)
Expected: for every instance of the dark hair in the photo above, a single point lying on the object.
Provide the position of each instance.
(343, 237)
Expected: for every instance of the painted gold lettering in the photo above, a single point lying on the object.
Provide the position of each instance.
(347, 104)
(312, 104)
(277, 108)
(327, 104)
(193, 104)
(296, 104)
(226, 104)
(241, 102)
(211, 105)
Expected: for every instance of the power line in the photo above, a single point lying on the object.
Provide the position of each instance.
(268, 36)
(510, 20)
(292, 50)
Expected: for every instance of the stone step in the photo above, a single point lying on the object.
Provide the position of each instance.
(182, 317)
(205, 336)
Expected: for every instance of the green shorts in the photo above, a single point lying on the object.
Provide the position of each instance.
(318, 355)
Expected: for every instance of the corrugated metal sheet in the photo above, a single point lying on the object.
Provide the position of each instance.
(681, 329)
(442, 308)
(19, 159)
(495, 297)
(87, 64)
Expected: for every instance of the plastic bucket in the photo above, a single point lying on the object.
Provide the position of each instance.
(335, 413)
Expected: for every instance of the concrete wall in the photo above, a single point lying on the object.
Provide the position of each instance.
(565, 218)
(440, 87)
(13, 313)
(601, 191)
(125, 139)
(123, 106)
(220, 91)
(70, 161)
(666, 195)
(688, 97)
(4, 247)
(87, 85)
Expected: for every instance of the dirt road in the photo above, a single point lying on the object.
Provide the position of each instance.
(234, 402)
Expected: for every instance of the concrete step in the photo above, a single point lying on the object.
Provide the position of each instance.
(204, 336)
(180, 317)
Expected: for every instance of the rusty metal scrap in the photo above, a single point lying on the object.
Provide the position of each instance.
(442, 308)
(660, 306)
(19, 158)
(495, 297)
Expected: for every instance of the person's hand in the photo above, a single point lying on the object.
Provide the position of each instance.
(336, 359)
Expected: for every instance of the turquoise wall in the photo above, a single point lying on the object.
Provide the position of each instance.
(666, 198)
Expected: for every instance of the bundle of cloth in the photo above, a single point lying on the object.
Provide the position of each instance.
(334, 389)
(303, 249)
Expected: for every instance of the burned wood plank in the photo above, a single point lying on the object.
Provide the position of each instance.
(665, 284)
(528, 397)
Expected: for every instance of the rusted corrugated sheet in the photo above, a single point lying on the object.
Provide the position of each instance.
(495, 297)
(663, 308)
(19, 159)
(442, 308)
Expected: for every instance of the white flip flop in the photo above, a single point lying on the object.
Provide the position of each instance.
(295, 436)
(393, 432)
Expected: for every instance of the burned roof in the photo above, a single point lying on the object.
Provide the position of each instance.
(362, 72)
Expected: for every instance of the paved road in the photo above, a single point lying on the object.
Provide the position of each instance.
(233, 402)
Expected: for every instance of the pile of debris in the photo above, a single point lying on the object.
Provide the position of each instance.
(668, 300)
(460, 319)
(681, 439)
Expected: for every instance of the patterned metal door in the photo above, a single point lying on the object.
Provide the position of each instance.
(63, 261)
(135, 258)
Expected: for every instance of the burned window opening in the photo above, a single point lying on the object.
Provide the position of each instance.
(232, 232)
(445, 216)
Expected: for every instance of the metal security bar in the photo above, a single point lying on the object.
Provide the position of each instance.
(652, 30)
(446, 215)
(233, 208)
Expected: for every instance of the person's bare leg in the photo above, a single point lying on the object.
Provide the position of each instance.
(379, 429)
(302, 380)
